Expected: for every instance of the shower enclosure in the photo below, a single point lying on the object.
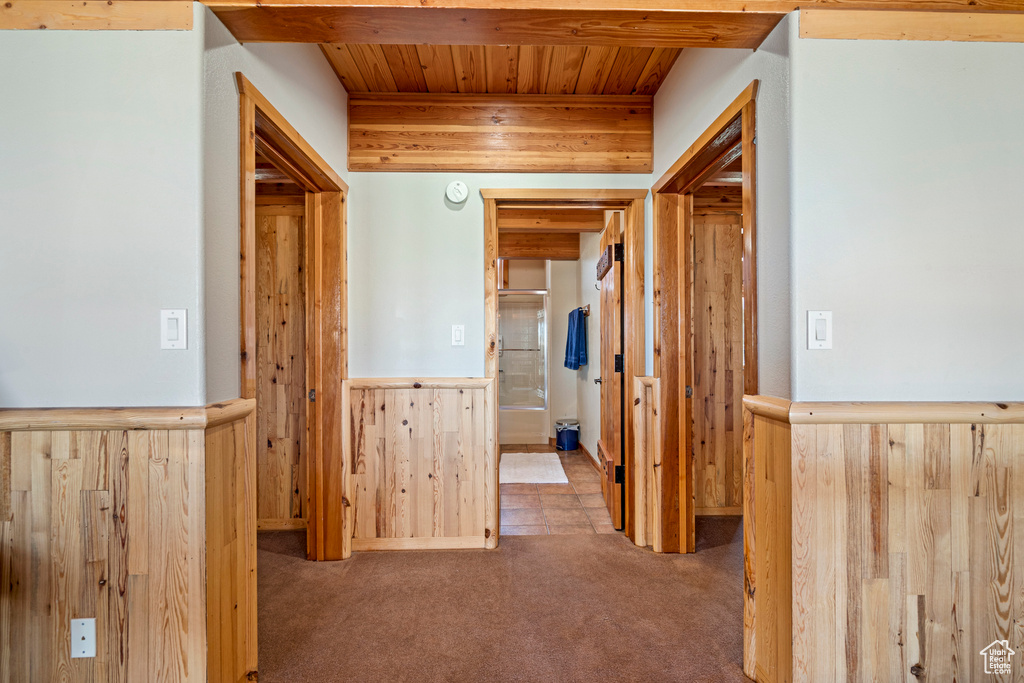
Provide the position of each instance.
(522, 350)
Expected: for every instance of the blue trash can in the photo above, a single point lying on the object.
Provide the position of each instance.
(567, 434)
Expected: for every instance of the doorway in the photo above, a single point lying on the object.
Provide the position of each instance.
(293, 355)
(550, 222)
(705, 336)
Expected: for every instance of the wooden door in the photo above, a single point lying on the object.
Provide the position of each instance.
(717, 369)
(610, 446)
(281, 365)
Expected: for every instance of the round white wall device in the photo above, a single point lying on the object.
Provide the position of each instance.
(457, 192)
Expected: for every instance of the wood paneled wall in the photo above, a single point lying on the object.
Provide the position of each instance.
(647, 463)
(717, 327)
(231, 544)
(907, 541)
(281, 364)
(555, 246)
(110, 523)
(424, 467)
(530, 133)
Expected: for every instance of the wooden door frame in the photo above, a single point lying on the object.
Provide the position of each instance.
(733, 133)
(631, 202)
(261, 125)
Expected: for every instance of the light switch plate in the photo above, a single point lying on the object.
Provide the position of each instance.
(174, 328)
(458, 335)
(816, 337)
(83, 638)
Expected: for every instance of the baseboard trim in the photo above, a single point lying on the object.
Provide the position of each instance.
(736, 511)
(280, 524)
(450, 543)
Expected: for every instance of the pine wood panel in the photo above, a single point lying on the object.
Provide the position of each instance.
(479, 132)
(551, 220)
(118, 15)
(501, 69)
(281, 367)
(610, 338)
(647, 464)
(905, 546)
(231, 548)
(717, 362)
(556, 246)
(421, 462)
(579, 26)
(107, 525)
(772, 561)
(838, 24)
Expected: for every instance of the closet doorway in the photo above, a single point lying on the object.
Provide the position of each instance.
(571, 257)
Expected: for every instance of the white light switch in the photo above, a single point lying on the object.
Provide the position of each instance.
(83, 638)
(458, 335)
(819, 329)
(174, 328)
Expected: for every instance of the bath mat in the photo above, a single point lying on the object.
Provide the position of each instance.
(531, 468)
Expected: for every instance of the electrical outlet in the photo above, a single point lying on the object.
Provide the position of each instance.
(83, 638)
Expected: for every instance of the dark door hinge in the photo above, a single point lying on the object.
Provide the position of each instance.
(620, 474)
(620, 252)
(689, 392)
(620, 363)
(312, 395)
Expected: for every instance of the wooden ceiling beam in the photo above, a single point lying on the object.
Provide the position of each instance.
(550, 220)
(328, 23)
(743, 6)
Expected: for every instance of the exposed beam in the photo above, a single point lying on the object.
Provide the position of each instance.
(551, 220)
(490, 26)
(744, 6)
(535, 133)
(887, 25)
(556, 246)
(106, 15)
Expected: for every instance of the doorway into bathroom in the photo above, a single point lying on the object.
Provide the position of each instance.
(565, 307)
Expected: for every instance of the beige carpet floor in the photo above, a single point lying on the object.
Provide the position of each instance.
(540, 608)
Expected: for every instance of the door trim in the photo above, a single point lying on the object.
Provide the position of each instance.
(733, 131)
(327, 533)
(632, 203)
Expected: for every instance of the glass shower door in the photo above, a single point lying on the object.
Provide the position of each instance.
(522, 350)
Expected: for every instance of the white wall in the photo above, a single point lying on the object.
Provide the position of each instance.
(563, 286)
(908, 167)
(527, 274)
(300, 84)
(588, 394)
(100, 202)
(700, 86)
(416, 267)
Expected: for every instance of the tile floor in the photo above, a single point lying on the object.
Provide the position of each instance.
(541, 509)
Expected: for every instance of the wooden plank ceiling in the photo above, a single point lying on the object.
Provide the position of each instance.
(501, 69)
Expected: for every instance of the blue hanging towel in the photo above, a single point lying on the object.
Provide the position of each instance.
(576, 343)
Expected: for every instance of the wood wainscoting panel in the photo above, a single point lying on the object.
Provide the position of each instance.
(647, 463)
(231, 548)
(902, 557)
(147, 529)
(106, 525)
(420, 456)
(528, 133)
(280, 368)
(907, 534)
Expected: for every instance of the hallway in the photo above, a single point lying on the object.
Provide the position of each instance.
(540, 608)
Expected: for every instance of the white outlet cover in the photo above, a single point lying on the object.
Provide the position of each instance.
(83, 638)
